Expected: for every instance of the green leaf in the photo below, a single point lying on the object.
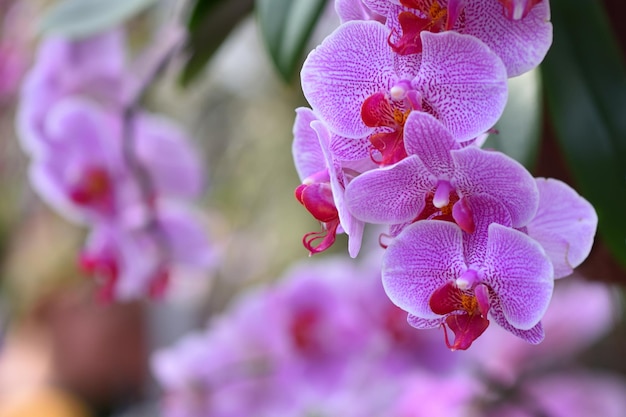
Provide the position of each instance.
(286, 26)
(585, 82)
(519, 128)
(77, 19)
(210, 23)
(200, 11)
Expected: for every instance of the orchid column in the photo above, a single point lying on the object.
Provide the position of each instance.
(400, 105)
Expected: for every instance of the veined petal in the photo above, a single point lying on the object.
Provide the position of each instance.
(425, 256)
(521, 44)
(463, 82)
(390, 195)
(427, 138)
(534, 335)
(379, 6)
(564, 225)
(355, 10)
(307, 154)
(420, 323)
(484, 210)
(351, 64)
(520, 274)
(501, 177)
(350, 149)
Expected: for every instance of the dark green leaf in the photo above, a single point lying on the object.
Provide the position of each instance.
(585, 81)
(286, 26)
(200, 11)
(519, 127)
(82, 18)
(210, 23)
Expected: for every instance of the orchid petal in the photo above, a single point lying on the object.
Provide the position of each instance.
(168, 156)
(307, 154)
(427, 138)
(390, 195)
(349, 66)
(463, 82)
(501, 177)
(420, 323)
(534, 335)
(425, 256)
(352, 226)
(564, 225)
(521, 275)
(521, 44)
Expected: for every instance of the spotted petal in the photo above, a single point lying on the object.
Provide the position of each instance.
(521, 44)
(427, 138)
(564, 225)
(390, 195)
(425, 256)
(520, 274)
(351, 64)
(501, 177)
(463, 82)
(307, 154)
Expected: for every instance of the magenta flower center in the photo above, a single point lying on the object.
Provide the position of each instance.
(94, 187)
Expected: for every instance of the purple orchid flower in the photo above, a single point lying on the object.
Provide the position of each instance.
(360, 88)
(565, 224)
(131, 260)
(518, 31)
(442, 277)
(84, 174)
(93, 68)
(324, 180)
(437, 180)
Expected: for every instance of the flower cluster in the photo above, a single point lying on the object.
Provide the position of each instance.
(128, 176)
(401, 101)
(336, 346)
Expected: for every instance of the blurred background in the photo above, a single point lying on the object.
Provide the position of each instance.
(65, 354)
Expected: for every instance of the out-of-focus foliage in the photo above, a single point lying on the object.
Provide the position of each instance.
(209, 24)
(82, 18)
(286, 26)
(519, 128)
(585, 82)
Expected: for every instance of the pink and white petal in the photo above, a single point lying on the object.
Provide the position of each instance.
(355, 10)
(534, 335)
(521, 275)
(564, 225)
(390, 195)
(351, 64)
(379, 6)
(427, 138)
(350, 149)
(521, 44)
(420, 323)
(425, 256)
(463, 82)
(168, 155)
(307, 154)
(484, 210)
(351, 226)
(495, 174)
